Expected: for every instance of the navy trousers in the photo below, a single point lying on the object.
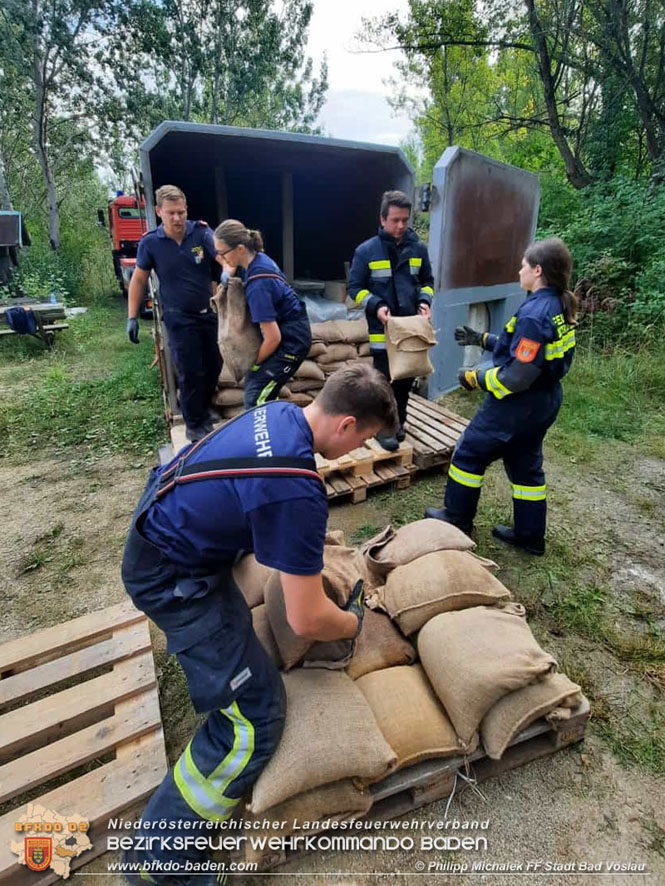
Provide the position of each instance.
(513, 430)
(265, 380)
(193, 344)
(208, 626)
(401, 387)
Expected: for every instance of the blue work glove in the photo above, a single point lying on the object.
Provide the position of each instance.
(468, 378)
(356, 604)
(133, 330)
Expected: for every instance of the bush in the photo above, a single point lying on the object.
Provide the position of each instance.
(615, 233)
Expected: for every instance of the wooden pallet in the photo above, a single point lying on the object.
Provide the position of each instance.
(415, 786)
(79, 692)
(432, 431)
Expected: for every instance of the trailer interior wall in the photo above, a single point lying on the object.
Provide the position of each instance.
(314, 199)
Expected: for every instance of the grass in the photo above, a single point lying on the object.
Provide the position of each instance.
(94, 391)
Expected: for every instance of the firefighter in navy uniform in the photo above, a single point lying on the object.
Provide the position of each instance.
(251, 485)
(181, 252)
(530, 357)
(286, 336)
(391, 274)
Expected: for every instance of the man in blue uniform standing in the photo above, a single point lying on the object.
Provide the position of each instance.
(391, 274)
(180, 252)
(529, 359)
(252, 485)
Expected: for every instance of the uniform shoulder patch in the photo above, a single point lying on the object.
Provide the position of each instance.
(526, 350)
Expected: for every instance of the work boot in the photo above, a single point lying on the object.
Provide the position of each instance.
(441, 514)
(532, 544)
(388, 441)
(400, 436)
(194, 434)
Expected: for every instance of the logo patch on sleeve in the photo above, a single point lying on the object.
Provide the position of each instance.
(239, 679)
(526, 350)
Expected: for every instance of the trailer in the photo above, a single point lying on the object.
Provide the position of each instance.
(315, 199)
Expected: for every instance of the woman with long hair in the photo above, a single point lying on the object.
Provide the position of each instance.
(273, 306)
(530, 357)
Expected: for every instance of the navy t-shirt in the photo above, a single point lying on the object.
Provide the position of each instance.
(205, 523)
(269, 300)
(184, 271)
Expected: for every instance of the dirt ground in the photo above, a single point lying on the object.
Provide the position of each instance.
(63, 528)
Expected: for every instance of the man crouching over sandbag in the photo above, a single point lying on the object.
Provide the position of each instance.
(252, 485)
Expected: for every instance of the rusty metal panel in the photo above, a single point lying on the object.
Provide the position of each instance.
(484, 215)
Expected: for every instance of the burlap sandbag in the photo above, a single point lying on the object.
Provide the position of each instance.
(226, 412)
(238, 338)
(341, 570)
(410, 716)
(346, 331)
(306, 385)
(310, 369)
(408, 340)
(263, 631)
(330, 734)
(474, 657)
(317, 348)
(329, 368)
(337, 353)
(363, 349)
(300, 398)
(515, 711)
(438, 582)
(227, 380)
(395, 547)
(229, 396)
(380, 645)
(338, 801)
(251, 577)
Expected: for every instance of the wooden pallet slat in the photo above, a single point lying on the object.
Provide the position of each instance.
(57, 757)
(33, 649)
(110, 720)
(124, 643)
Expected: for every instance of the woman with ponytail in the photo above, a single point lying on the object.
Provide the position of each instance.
(530, 357)
(273, 306)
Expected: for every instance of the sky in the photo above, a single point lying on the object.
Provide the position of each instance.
(356, 106)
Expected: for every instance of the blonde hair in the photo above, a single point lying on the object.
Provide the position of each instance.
(169, 192)
(234, 233)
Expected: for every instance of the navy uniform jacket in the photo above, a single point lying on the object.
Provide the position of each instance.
(184, 271)
(386, 274)
(535, 349)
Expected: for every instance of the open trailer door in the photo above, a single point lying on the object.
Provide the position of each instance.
(483, 216)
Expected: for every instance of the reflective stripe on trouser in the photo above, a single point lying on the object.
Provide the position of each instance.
(219, 765)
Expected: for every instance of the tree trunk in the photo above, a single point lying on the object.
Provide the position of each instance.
(5, 199)
(575, 171)
(39, 138)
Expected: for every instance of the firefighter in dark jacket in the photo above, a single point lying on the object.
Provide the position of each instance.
(530, 357)
(391, 274)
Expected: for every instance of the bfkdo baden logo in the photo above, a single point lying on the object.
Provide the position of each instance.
(45, 839)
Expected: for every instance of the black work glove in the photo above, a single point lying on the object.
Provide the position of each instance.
(464, 335)
(468, 378)
(133, 330)
(356, 604)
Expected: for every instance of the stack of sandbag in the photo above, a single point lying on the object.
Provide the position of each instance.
(338, 342)
(481, 675)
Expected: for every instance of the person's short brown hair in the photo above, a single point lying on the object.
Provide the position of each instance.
(394, 198)
(169, 192)
(363, 392)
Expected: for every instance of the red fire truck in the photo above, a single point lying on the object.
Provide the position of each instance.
(127, 224)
